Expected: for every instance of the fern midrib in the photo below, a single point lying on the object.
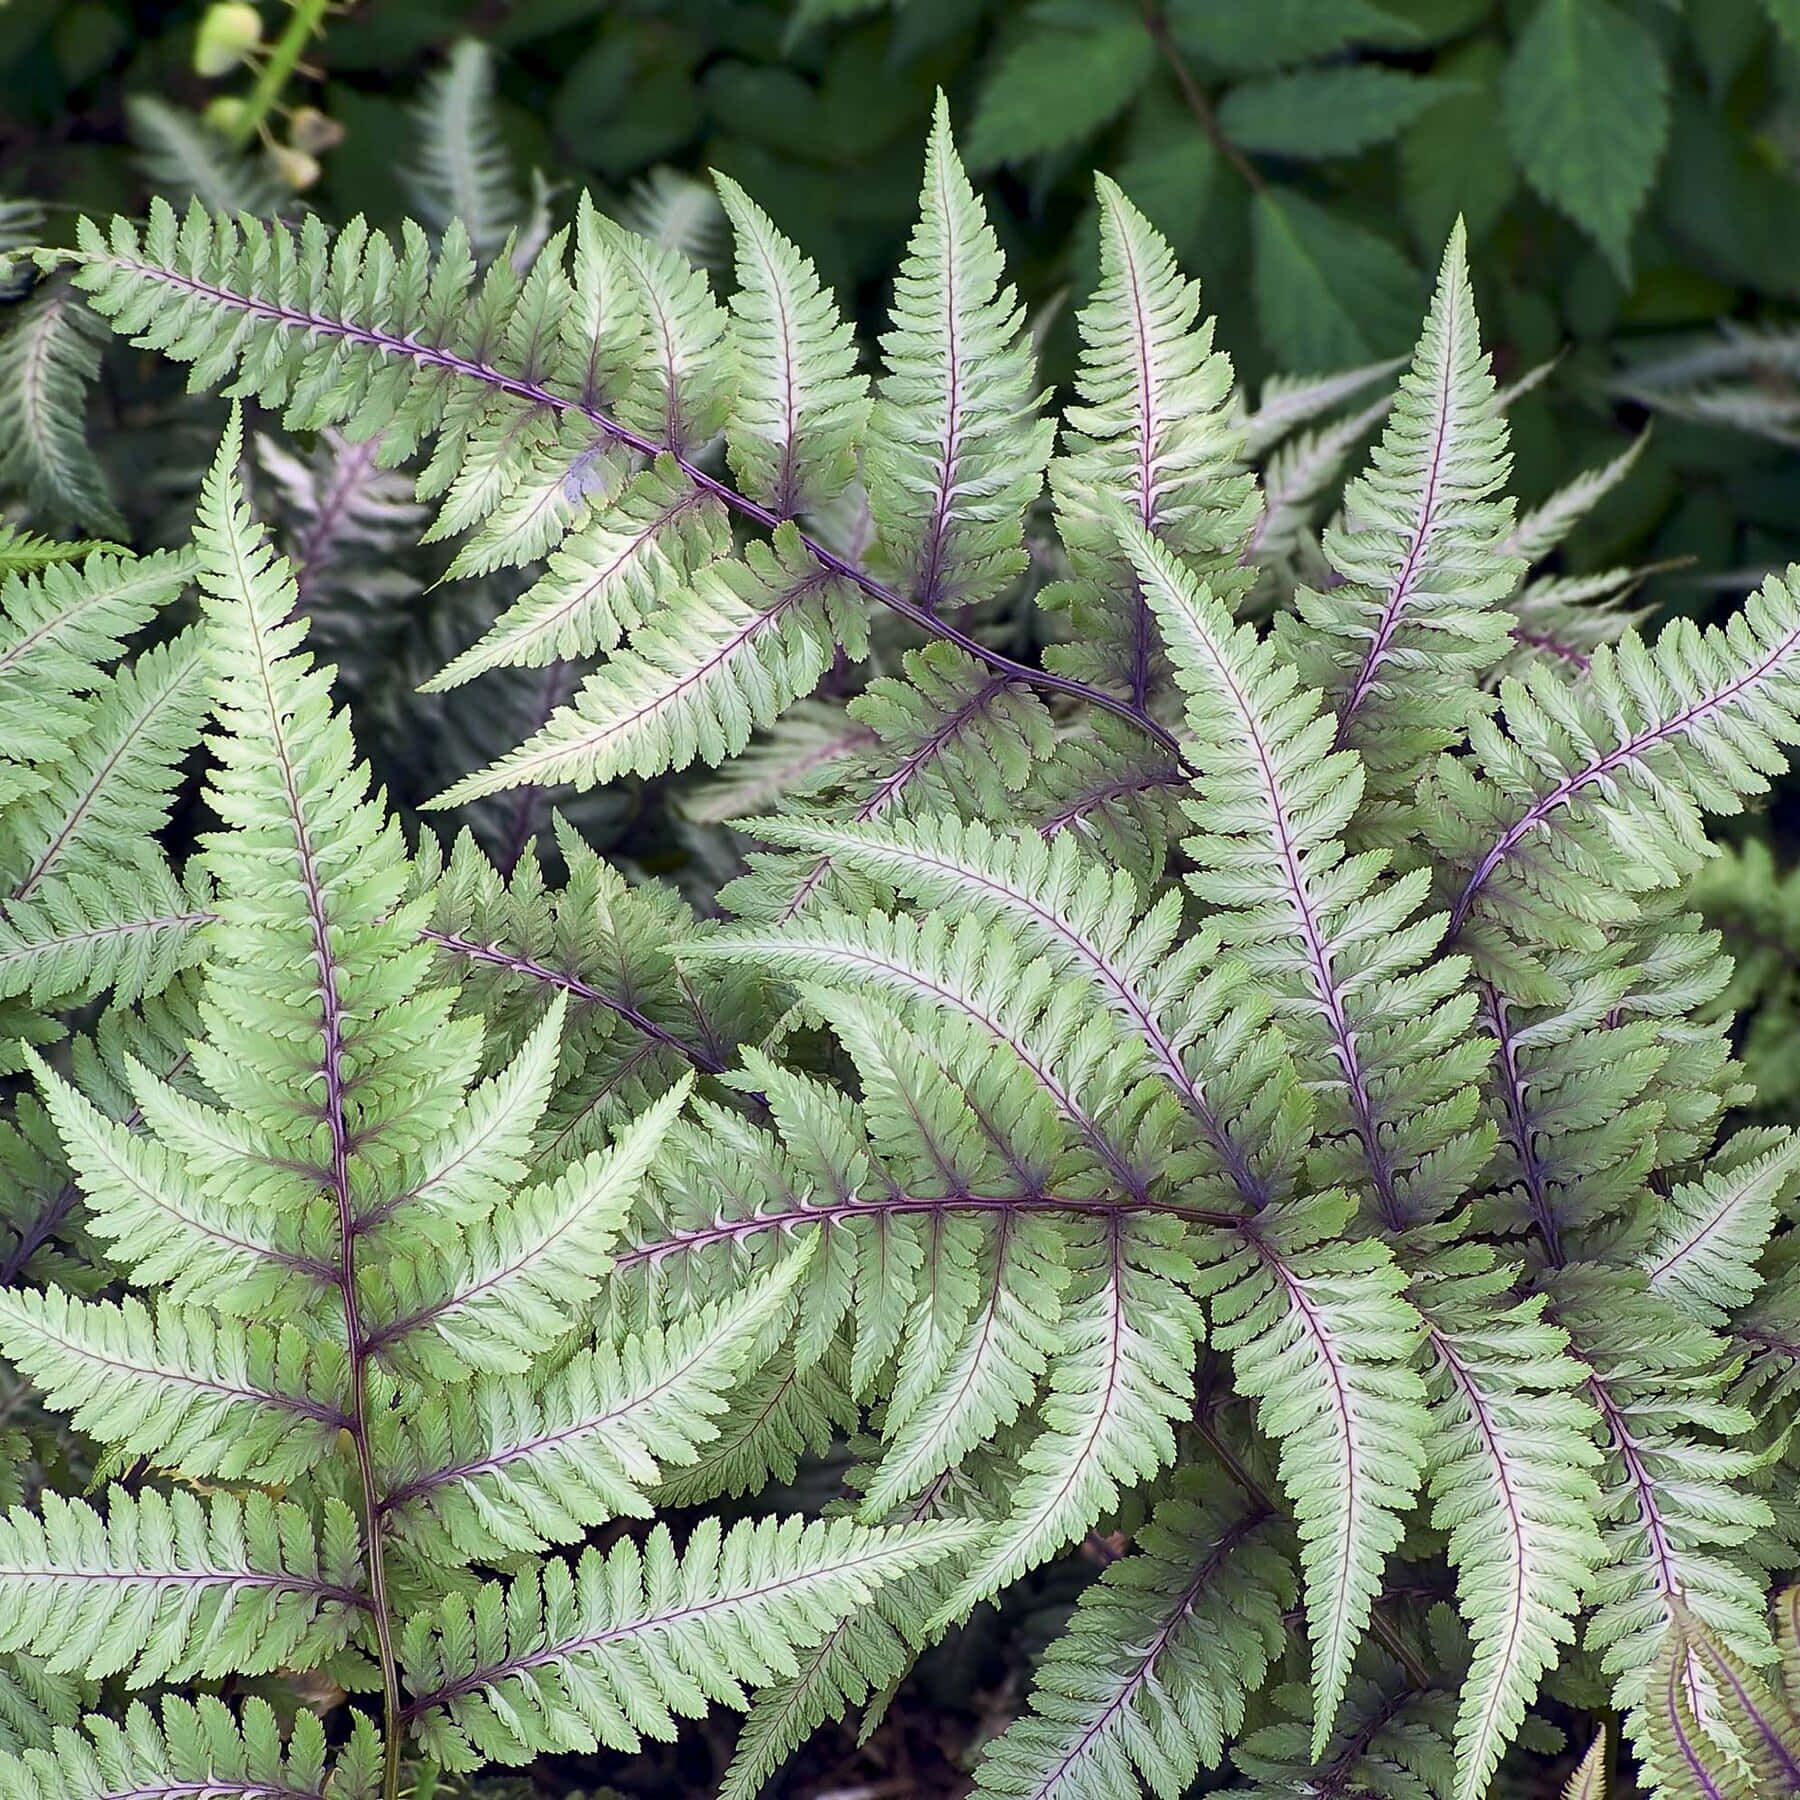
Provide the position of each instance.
(298, 1404)
(337, 1124)
(1638, 744)
(1316, 950)
(1401, 591)
(433, 356)
(323, 1591)
(496, 957)
(562, 1651)
(1518, 1119)
(901, 1205)
(1518, 1591)
(72, 819)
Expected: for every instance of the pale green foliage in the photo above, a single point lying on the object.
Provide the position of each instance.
(955, 453)
(1241, 1098)
(49, 354)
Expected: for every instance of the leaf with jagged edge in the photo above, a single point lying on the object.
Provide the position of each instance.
(484, 1470)
(1679, 1516)
(1287, 402)
(1322, 1337)
(34, 1703)
(171, 1589)
(459, 168)
(157, 1217)
(609, 576)
(1597, 791)
(1149, 1680)
(686, 380)
(1510, 1459)
(180, 1385)
(1151, 429)
(62, 625)
(1130, 1334)
(49, 357)
(861, 1659)
(516, 1280)
(131, 927)
(1378, 1022)
(198, 1747)
(625, 1642)
(1710, 1232)
(26, 552)
(956, 450)
(1399, 645)
(801, 406)
(1589, 1779)
(748, 639)
(1740, 1740)
(114, 787)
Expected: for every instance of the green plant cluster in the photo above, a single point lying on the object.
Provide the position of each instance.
(717, 1000)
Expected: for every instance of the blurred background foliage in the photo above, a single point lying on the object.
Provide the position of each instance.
(1626, 169)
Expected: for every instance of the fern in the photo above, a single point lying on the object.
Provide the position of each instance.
(1195, 1041)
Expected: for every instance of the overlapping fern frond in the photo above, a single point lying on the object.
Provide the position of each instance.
(1245, 1095)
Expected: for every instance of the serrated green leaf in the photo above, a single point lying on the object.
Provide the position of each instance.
(1327, 112)
(1328, 292)
(1056, 88)
(1587, 113)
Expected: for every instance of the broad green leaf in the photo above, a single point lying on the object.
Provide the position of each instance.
(1327, 112)
(1587, 113)
(1328, 292)
(1253, 35)
(1057, 87)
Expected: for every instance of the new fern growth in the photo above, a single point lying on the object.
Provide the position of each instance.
(1250, 1087)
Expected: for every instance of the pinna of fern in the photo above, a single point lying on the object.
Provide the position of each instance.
(1354, 1092)
(345, 1279)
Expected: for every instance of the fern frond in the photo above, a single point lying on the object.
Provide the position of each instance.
(1597, 794)
(1740, 1742)
(1323, 1339)
(131, 928)
(956, 449)
(516, 1281)
(1709, 1233)
(185, 160)
(1125, 1376)
(1371, 1012)
(460, 168)
(161, 1219)
(180, 1385)
(625, 1642)
(1399, 646)
(1199, 1603)
(1152, 432)
(1511, 1460)
(484, 1470)
(170, 1590)
(1676, 1516)
(752, 636)
(116, 786)
(801, 406)
(25, 552)
(609, 577)
(49, 357)
(61, 627)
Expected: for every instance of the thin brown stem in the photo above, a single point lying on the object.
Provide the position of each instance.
(1195, 96)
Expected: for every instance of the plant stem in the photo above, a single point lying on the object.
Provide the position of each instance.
(1195, 96)
(278, 65)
